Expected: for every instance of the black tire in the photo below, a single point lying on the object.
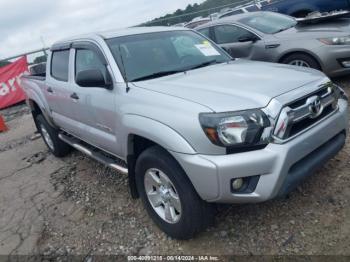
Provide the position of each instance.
(58, 148)
(196, 214)
(312, 62)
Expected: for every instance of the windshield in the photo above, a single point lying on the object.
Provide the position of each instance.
(269, 23)
(152, 55)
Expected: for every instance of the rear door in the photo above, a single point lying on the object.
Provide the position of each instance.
(58, 89)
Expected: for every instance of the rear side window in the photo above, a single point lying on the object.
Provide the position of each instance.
(59, 65)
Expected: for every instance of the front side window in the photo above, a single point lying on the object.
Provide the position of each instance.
(59, 65)
(86, 59)
(225, 34)
(154, 55)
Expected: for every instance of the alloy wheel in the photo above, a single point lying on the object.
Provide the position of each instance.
(162, 195)
(47, 137)
(301, 63)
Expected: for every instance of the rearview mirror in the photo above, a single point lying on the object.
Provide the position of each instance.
(92, 78)
(248, 38)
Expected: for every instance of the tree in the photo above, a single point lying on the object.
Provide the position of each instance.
(40, 59)
(3, 63)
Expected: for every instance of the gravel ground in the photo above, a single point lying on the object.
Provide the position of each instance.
(15, 111)
(77, 206)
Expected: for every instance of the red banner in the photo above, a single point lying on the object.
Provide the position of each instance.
(10, 89)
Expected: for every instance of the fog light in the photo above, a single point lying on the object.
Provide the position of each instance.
(237, 184)
(346, 63)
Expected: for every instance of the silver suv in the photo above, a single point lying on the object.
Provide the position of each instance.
(189, 125)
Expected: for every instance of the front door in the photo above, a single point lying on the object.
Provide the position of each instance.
(237, 41)
(95, 106)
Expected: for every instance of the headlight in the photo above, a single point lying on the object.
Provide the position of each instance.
(345, 40)
(243, 128)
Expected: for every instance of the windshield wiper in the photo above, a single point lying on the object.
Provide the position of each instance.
(208, 63)
(171, 72)
(157, 74)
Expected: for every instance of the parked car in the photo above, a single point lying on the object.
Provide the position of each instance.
(317, 17)
(189, 125)
(240, 10)
(272, 37)
(296, 8)
(214, 16)
(301, 8)
(179, 25)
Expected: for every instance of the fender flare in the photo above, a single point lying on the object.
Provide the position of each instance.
(155, 131)
(33, 97)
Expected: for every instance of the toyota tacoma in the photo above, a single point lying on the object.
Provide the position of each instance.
(188, 125)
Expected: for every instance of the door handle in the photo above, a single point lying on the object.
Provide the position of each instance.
(74, 96)
(49, 89)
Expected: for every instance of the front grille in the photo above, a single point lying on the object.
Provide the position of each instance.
(307, 122)
(302, 101)
(305, 112)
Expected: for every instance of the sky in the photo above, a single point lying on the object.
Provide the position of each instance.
(23, 23)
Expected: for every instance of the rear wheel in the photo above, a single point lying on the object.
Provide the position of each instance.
(302, 60)
(51, 139)
(168, 195)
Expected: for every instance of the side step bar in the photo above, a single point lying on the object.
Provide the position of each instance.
(95, 154)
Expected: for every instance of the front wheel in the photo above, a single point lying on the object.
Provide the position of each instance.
(168, 195)
(302, 60)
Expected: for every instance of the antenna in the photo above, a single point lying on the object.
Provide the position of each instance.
(42, 41)
(123, 70)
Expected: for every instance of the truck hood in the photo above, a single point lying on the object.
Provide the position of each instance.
(234, 86)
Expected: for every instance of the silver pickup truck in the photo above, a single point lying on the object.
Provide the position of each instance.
(189, 125)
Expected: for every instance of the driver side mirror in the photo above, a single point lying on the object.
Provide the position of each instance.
(93, 78)
(248, 38)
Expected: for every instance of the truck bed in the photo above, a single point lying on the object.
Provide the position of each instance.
(37, 72)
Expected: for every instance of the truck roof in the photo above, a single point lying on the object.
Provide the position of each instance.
(120, 32)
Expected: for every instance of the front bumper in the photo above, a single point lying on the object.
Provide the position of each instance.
(333, 58)
(281, 167)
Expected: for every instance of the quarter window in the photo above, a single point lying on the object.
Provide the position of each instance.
(59, 65)
(225, 34)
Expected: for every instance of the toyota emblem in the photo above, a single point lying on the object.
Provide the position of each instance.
(315, 106)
